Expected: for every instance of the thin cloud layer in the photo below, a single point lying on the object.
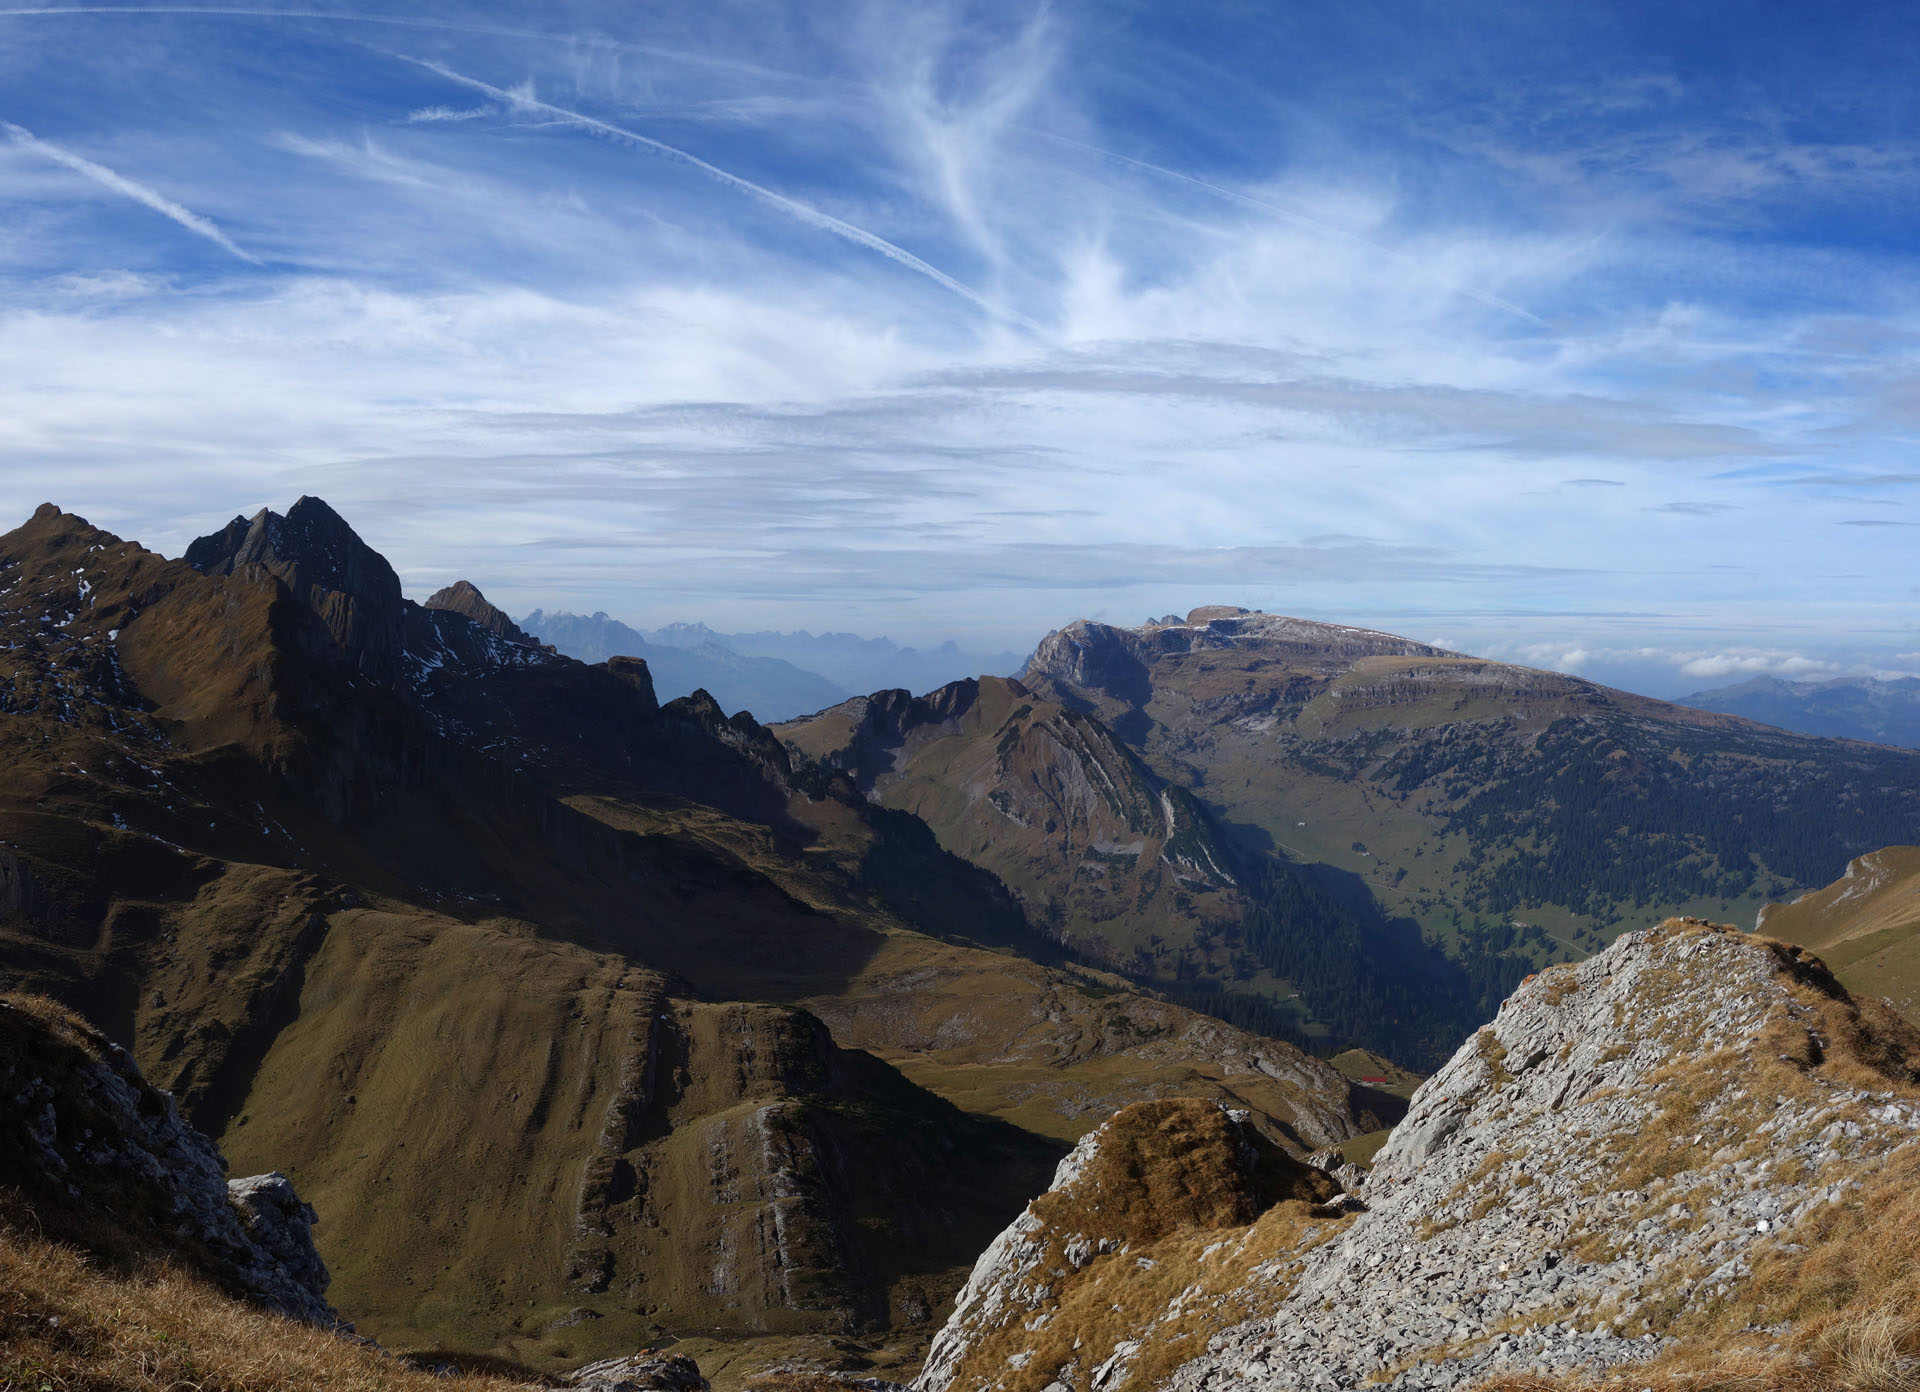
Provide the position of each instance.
(971, 320)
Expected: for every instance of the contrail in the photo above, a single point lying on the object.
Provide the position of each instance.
(524, 100)
(120, 184)
(397, 21)
(1301, 219)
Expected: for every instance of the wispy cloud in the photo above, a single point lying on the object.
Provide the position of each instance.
(1279, 290)
(449, 113)
(522, 98)
(127, 188)
(1687, 509)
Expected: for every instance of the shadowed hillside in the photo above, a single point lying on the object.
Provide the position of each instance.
(589, 1025)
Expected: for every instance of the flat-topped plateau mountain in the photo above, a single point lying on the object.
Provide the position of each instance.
(1346, 837)
(1469, 795)
(581, 1020)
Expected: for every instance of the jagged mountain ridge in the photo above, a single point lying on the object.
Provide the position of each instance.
(1465, 795)
(1676, 1156)
(330, 862)
(1863, 708)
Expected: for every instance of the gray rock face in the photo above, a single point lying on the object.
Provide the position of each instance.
(1004, 1276)
(640, 1372)
(281, 1227)
(1626, 1136)
(84, 1136)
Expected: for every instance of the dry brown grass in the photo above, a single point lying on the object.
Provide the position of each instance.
(65, 1025)
(66, 1326)
(1174, 1164)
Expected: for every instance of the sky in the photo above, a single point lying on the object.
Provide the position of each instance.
(1586, 336)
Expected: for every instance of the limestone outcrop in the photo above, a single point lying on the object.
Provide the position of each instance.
(640, 1372)
(1631, 1139)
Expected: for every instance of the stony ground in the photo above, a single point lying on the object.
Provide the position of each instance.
(1623, 1142)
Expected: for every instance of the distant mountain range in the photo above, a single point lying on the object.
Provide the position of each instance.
(777, 676)
(1862, 708)
(859, 664)
(768, 687)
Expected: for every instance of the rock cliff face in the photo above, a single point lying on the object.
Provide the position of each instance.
(94, 1155)
(1094, 1260)
(318, 556)
(1671, 1133)
(1101, 854)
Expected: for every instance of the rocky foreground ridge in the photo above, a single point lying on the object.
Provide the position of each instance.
(94, 1155)
(1693, 1140)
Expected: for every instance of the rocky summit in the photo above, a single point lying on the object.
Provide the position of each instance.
(1682, 1147)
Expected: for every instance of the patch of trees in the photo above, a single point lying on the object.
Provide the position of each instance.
(1373, 984)
(1600, 815)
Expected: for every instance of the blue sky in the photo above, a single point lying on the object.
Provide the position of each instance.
(1587, 336)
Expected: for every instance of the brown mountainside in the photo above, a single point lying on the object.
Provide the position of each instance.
(1099, 851)
(578, 1023)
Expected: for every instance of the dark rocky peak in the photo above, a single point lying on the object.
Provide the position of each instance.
(462, 597)
(634, 672)
(326, 565)
(311, 546)
(886, 718)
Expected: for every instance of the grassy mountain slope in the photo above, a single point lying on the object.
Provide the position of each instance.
(1480, 801)
(1135, 873)
(522, 974)
(1865, 925)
